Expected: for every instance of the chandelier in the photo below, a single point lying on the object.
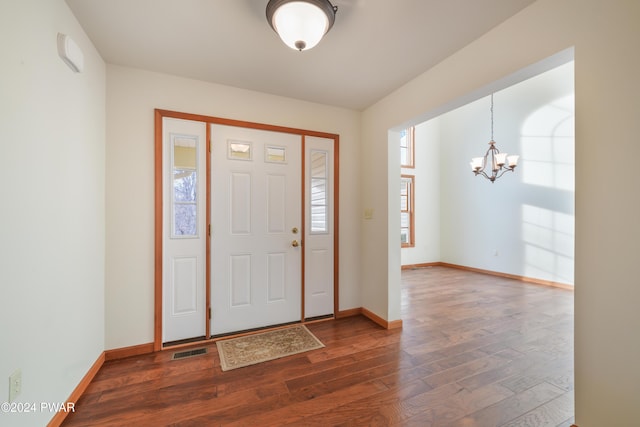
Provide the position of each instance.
(497, 161)
(301, 24)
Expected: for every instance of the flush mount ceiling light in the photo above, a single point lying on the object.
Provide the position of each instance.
(301, 24)
(493, 158)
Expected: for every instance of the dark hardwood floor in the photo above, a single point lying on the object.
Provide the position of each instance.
(475, 350)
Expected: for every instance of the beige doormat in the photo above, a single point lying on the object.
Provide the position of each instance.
(251, 349)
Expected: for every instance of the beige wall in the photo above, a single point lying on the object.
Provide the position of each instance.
(132, 97)
(607, 65)
(52, 142)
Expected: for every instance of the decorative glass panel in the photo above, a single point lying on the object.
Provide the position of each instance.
(239, 150)
(318, 164)
(319, 219)
(184, 162)
(184, 185)
(319, 192)
(275, 154)
(184, 219)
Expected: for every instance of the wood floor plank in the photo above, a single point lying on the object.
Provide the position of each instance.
(451, 402)
(474, 350)
(551, 414)
(378, 409)
(312, 407)
(511, 408)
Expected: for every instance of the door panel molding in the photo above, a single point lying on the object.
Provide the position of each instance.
(159, 114)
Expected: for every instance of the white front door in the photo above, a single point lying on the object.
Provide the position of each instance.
(183, 229)
(256, 211)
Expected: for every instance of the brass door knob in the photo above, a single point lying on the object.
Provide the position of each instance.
(295, 244)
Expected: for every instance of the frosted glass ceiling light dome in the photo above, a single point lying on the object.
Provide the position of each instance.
(301, 24)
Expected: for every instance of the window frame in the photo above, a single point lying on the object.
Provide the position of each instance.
(410, 147)
(174, 203)
(410, 211)
(325, 199)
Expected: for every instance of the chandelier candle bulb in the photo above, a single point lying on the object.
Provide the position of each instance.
(476, 163)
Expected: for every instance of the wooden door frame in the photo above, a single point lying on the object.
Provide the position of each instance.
(159, 115)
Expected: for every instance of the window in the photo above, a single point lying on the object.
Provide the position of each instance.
(185, 184)
(407, 147)
(319, 192)
(407, 211)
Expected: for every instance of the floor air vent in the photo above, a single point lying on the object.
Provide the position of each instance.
(188, 353)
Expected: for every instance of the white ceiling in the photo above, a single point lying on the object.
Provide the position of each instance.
(374, 47)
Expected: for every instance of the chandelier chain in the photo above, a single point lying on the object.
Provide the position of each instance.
(491, 117)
